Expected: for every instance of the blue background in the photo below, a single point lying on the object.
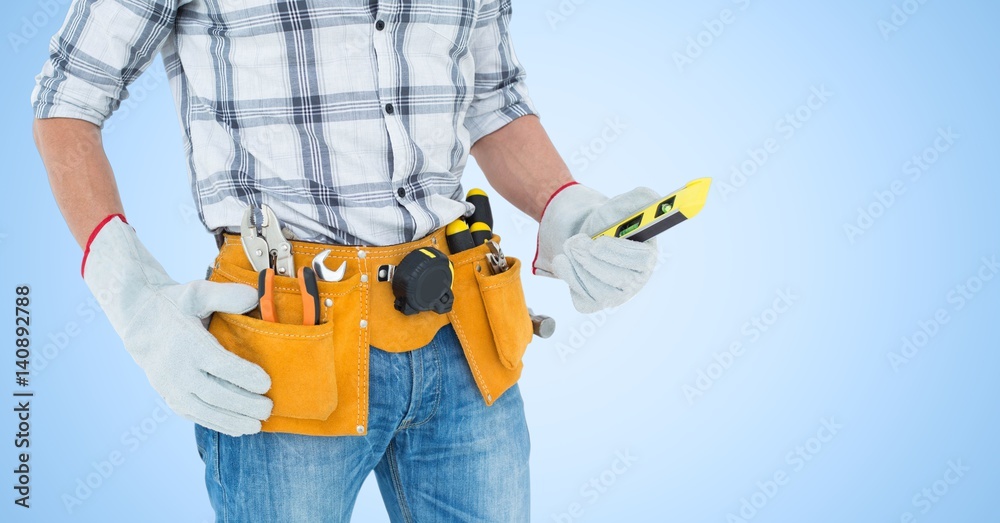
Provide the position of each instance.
(606, 80)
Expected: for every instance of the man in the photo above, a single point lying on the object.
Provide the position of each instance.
(352, 120)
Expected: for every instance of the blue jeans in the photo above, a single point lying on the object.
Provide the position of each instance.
(439, 453)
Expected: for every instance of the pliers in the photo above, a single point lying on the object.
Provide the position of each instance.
(266, 247)
(269, 253)
(307, 287)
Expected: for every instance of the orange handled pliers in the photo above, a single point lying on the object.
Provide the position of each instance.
(307, 287)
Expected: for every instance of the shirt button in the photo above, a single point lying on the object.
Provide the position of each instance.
(380, 25)
(401, 192)
(388, 108)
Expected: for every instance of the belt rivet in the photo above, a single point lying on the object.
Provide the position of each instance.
(361, 429)
(364, 278)
(362, 254)
(434, 240)
(364, 324)
(329, 302)
(489, 397)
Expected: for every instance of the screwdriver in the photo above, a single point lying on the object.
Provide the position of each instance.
(459, 237)
(481, 225)
(483, 213)
(481, 220)
(481, 233)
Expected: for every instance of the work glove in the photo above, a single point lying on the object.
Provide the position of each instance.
(601, 273)
(163, 325)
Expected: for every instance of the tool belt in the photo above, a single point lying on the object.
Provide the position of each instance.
(319, 373)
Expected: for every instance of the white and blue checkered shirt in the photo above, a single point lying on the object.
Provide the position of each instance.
(352, 119)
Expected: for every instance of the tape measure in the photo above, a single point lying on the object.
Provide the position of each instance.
(681, 205)
(423, 282)
(423, 279)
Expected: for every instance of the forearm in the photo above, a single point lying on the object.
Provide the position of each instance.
(522, 165)
(80, 175)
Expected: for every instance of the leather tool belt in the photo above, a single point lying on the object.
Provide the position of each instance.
(319, 373)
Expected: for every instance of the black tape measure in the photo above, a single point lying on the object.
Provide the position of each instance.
(423, 279)
(423, 282)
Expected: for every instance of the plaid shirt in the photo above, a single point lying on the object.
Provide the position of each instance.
(352, 119)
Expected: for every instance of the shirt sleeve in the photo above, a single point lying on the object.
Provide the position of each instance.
(501, 94)
(100, 49)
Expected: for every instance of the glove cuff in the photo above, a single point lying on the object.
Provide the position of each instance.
(562, 218)
(120, 272)
(93, 234)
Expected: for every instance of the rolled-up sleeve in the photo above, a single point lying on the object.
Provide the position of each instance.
(501, 94)
(100, 49)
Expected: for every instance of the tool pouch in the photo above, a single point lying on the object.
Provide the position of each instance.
(319, 374)
(309, 379)
(491, 320)
(510, 321)
(298, 359)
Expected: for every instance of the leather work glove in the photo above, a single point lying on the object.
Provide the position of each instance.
(601, 273)
(163, 326)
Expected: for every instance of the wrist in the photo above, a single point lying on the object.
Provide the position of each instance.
(553, 196)
(562, 218)
(121, 273)
(93, 234)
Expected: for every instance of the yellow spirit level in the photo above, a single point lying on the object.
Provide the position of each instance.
(683, 204)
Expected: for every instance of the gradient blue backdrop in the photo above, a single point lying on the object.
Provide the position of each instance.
(623, 113)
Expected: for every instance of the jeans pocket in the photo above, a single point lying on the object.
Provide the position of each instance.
(199, 441)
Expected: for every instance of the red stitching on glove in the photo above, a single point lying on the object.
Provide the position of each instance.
(86, 250)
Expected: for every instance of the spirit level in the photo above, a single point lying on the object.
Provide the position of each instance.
(683, 204)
